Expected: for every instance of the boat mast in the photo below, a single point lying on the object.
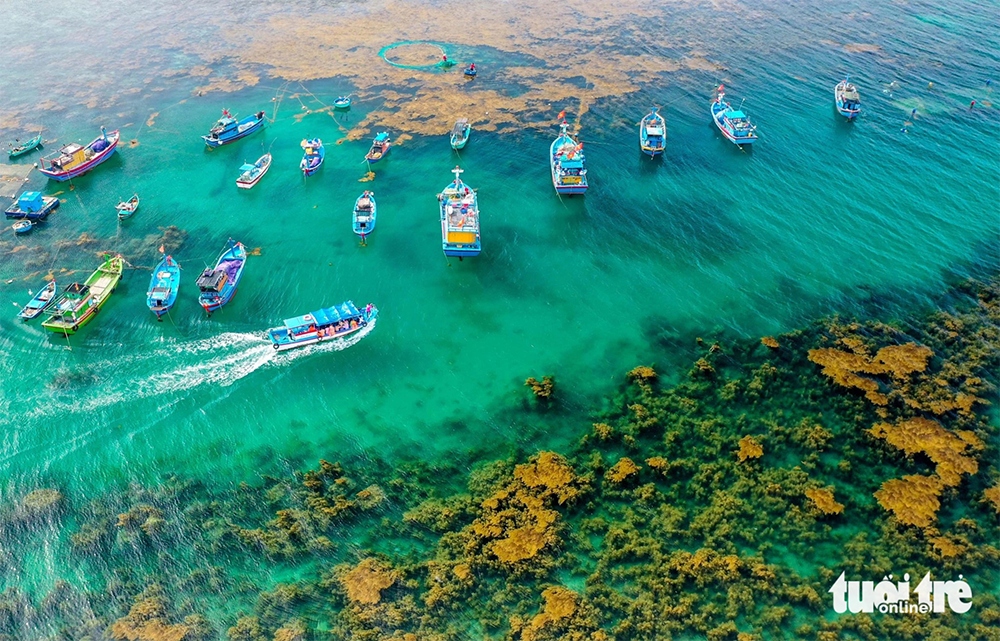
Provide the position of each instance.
(457, 171)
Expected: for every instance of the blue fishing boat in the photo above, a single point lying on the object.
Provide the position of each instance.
(460, 219)
(652, 133)
(567, 162)
(847, 99)
(733, 123)
(18, 148)
(342, 102)
(75, 160)
(329, 323)
(365, 210)
(39, 302)
(163, 287)
(250, 175)
(470, 71)
(218, 284)
(33, 206)
(312, 156)
(460, 133)
(127, 208)
(22, 226)
(380, 148)
(227, 129)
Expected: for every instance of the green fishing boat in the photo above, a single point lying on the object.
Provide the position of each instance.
(18, 148)
(79, 303)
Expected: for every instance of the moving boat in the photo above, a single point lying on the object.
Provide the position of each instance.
(847, 99)
(567, 163)
(652, 133)
(75, 160)
(460, 133)
(127, 207)
(365, 210)
(470, 71)
(218, 284)
(342, 102)
(312, 157)
(18, 148)
(33, 206)
(733, 123)
(227, 129)
(380, 147)
(250, 175)
(80, 303)
(39, 302)
(22, 226)
(325, 324)
(459, 219)
(163, 286)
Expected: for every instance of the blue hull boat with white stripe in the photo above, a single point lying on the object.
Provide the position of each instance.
(329, 323)
(847, 99)
(39, 302)
(163, 287)
(733, 123)
(567, 164)
(365, 212)
(218, 284)
(460, 236)
(652, 134)
(313, 154)
(227, 129)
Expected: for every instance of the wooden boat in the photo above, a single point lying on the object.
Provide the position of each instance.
(18, 148)
(250, 175)
(312, 157)
(567, 163)
(652, 133)
(22, 226)
(39, 302)
(163, 286)
(460, 133)
(365, 210)
(75, 160)
(227, 129)
(33, 206)
(459, 219)
(342, 102)
(380, 147)
(847, 99)
(470, 71)
(127, 207)
(218, 284)
(81, 302)
(329, 323)
(733, 123)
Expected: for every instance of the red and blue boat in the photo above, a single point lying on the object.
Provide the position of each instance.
(163, 286)
(380, 148)
(329, 323)
(568, 165)
(312, 156)
(228, 129)
(218, 284)
(75, 160)
(733, 123)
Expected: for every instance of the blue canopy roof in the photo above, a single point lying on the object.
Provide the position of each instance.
(736, 114)
(30, 201)
(246, 168)
(571, 163)
(325, 316)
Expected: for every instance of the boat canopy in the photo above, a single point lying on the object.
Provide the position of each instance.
(245, 168)
(324, 317)
(211, 280)
(459, 128)
(734, 115)
(654, 131)
(30, 201)
(382, 137)
(571, 163)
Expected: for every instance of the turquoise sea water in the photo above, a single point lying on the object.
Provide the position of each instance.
(822, 216)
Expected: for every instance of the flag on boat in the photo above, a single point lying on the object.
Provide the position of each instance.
(562, 114)
(722, 88)
(162, 250)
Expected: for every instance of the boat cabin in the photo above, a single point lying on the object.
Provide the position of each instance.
(459, 129)
(73, 298)
(70, 156)
(158, 295)
(212, 280)
(738, 120)
(30, 202)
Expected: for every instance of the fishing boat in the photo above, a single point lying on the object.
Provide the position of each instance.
(566, 160)
(32, 205)
(163, 286)
(80, 302)
(459, 219)
(312, 157)
(250, 175)
(22, 226)
(470, 71)
(444, 63)
(460, 133)
(365, 210)
(652, 133)
(227, 129)
(39, 302)
(380, 147)
(75, 160)
(218, 284)
(342, 102)
(18, 148)
(733, 123)
(127, 207)
(329, 323)
(847, 99)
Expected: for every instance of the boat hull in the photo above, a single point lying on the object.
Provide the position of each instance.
(79, 170)
(37, 305)
(26, 148)
(370, 223)
(214, 301)
(163, 286)
(227, 137)
(248, 184)
(280, 336)
(108, 280)
(718, 116)
(51, 204)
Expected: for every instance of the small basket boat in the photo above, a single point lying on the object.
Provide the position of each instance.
(342, 102)
(22, 226)
(470, 71)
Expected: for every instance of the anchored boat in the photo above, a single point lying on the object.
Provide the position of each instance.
(39, 302)
(380, 147)
(33, 206)
(127, 207)
(847, 99)
(652, 133)
(312, 157)
(470, 71)
(218, 284)
(733, 123)
(22, 226)
(365, 210)
(250, 175)
(329, 323)
(342, 102)
(163, 286)
(459, 219)
(227, 129)
(567, 163)
(18, 148)
(75, 160)
(80, 302)
(460, 133)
